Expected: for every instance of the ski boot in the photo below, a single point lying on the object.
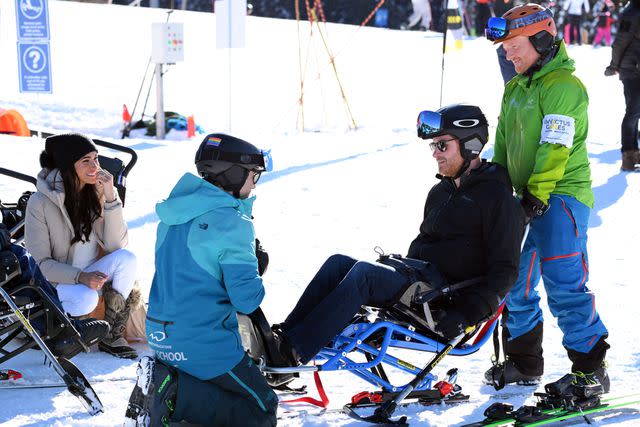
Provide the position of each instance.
(509, 373)
(599, 377)
(91, 331)
(137, 414)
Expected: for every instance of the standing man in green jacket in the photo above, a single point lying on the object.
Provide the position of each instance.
(540, 139)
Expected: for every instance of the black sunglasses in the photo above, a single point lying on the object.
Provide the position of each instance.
(256, 175)
(440, 145)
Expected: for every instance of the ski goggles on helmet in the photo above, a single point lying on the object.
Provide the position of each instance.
(429, 124)
(259, 161)
(498, 28)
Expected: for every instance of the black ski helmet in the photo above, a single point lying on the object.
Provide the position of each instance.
(225, 160)
(466, 122)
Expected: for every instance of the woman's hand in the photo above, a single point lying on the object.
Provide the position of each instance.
(94, 279)
(104, 184)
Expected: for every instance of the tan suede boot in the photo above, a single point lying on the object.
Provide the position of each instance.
(629, 161)
(116, 313)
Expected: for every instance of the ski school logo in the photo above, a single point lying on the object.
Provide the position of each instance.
(466, 123)
(157, 336)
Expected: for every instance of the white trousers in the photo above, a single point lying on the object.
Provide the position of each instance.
(120, 266)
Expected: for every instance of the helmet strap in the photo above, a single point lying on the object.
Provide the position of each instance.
(463, 168)
(545, 56)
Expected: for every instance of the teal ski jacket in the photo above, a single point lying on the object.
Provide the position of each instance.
(206, 272)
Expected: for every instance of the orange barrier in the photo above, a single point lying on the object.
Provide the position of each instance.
(12, 123)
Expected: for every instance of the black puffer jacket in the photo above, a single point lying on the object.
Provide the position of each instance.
(471, 231)
(625, 52)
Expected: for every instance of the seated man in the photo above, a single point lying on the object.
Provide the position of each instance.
(63, 344)
(472, 227)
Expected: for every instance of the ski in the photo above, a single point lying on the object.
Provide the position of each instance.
(348, 409)
(550, 416)
(20, 385)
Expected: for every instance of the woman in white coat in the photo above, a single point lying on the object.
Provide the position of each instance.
(76, 232)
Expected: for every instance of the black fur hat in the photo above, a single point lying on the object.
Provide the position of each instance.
(63, 150)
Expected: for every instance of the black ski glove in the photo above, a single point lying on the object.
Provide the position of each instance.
(5, 237)
(452, 324)
(610, 71)
(263, 258)
(533, 207)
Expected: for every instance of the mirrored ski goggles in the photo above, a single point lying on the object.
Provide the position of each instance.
(498, 28)
(268, 160)
(440, 145)
(429, 124)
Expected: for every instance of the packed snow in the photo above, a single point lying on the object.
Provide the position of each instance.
(333, 189)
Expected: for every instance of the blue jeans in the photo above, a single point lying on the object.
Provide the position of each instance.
(556, 250)
(334, 296)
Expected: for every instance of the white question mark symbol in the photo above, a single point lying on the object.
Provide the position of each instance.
(35, 55)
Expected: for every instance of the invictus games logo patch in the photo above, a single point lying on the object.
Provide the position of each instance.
(557, 129)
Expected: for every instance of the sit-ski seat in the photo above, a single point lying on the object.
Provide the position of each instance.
(420, 307)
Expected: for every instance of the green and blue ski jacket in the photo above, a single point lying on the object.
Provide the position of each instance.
(542, 131)
(206, 271)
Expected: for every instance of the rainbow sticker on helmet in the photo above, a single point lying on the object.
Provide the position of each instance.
(213, 141)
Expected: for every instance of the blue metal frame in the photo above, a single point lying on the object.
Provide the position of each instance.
(354, 336)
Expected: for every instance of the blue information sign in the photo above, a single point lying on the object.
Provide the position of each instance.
(32, 19)
(35, 67)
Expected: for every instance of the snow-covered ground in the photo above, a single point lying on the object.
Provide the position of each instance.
(333, 189)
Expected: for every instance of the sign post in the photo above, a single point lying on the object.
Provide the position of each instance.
(167, 48)
(231, 16)
(34, 53)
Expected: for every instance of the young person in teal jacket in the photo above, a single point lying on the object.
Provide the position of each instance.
(206, 272)
(541, 140)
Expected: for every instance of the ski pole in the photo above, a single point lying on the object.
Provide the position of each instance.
(444, 46)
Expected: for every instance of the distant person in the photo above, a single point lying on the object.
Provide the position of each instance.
(576, 10)
(76, 231)
(421, 16)
(507, 69)
(603, 24)
(471, 213)
(483, 13)
(206, 271)
(541, 140)
(625, 61)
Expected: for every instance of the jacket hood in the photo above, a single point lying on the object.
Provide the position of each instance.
(49, 184)
(487, 171)
(193, 196)
(560, 61)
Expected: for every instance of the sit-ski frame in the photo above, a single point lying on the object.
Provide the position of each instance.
(354, 338)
